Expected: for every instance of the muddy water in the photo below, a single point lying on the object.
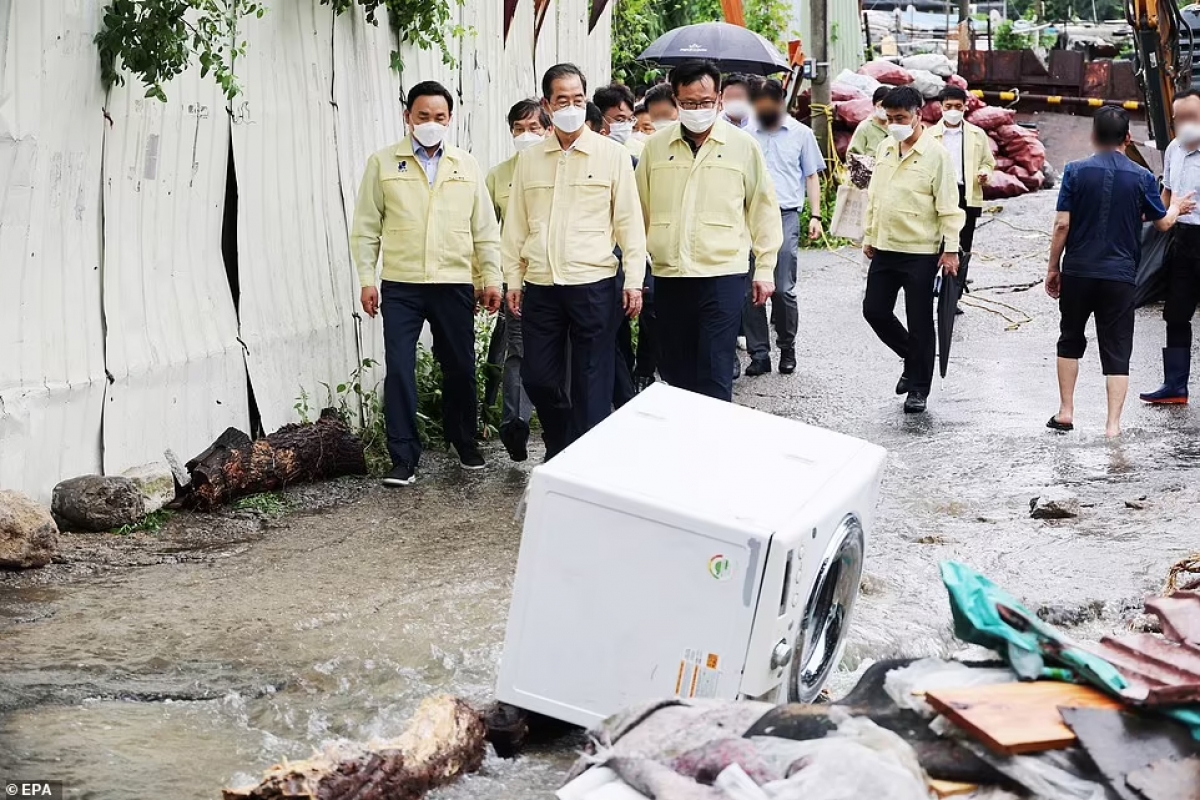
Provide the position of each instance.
(203, 665)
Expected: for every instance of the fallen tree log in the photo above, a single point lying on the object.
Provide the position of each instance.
(235, 465)
(444, 741)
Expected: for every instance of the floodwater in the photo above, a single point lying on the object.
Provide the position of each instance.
(170, 665)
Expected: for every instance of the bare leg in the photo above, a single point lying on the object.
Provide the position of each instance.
(1068, 373)
(1117, 386)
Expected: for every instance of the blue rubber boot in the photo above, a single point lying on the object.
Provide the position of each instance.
(1177, 367)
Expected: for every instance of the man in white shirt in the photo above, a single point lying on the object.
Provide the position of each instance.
(735, 101)
(1181, 175)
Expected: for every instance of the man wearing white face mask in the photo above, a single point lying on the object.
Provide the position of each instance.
(574, 200)
(528, 123)
(616, 105)
(871, 132)
(735, 101)
(912, 216)
(660, 105)
(424, 205)
(1181, 176)
(971, 153)
(709, 203)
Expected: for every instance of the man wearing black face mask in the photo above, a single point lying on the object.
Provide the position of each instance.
(795, 163)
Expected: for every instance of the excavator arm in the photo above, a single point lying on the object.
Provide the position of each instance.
(1163, 67)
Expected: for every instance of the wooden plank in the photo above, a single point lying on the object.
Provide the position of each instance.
(950, 788)
(1015, 718)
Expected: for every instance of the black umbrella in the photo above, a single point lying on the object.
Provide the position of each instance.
(948, 291)
(735, 49)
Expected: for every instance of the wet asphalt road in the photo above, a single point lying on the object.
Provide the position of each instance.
(169, 665)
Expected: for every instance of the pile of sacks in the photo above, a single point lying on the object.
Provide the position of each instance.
(1020, 155)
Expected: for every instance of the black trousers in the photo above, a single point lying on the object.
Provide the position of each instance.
(647, 345)
(583, 316)
(966, 238)
(450, 311)
(917, 344)
(698, 321)
(1113, 304)
(623, 361)
(1183, 285)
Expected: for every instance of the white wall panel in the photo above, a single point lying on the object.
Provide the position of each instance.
(51, 331)
(575, 44)
(293, 257)
(545, 54)
(178, 374)
(368, 116)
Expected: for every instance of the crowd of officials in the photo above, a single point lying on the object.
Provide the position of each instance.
(683, 208)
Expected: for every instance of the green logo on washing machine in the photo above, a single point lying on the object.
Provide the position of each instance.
(720, 567)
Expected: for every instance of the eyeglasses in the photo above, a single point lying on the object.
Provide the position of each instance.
(696, 106)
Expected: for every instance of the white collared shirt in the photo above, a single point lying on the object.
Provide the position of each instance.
(953, 141)
(1181, 174)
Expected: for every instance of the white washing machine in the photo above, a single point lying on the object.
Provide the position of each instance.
(687, 547)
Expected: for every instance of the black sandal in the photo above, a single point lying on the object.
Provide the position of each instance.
(1062, 427)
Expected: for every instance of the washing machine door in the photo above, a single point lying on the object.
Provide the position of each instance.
(827, 611)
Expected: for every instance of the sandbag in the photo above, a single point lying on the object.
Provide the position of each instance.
(887, 72)
(849, 213)
(853, 112)
(928, 84)
(936, 63)
(956, 80)
(1001, 184)
(864, 83)
(841, 92)
(991, 117)
(931, 112)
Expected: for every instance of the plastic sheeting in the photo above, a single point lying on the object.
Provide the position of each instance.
(119, 328)
(172, 350)
(51, 329)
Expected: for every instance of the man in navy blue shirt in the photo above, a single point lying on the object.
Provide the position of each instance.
(1101, 204)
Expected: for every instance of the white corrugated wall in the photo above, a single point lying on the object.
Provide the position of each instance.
(51, 327)
(845, 32)
(118, 328)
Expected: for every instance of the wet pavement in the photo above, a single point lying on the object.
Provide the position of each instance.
(171, 664)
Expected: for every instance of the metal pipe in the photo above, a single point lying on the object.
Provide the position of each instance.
(1059, 100)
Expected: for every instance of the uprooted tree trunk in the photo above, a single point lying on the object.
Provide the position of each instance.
(235, 465)
(444, 741)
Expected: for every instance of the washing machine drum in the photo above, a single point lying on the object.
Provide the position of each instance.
(827, 612)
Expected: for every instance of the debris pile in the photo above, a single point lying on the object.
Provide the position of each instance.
(1047, 717)
(1020, 154)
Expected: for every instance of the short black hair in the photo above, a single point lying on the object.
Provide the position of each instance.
(1110, 126)
(770, 90)
(737, 79)
(880, 93)
(558, 72)
(524, 109)
(905, 97)
(1186, 93)
(640, 108)
(662, 93)
(953, 93)
(613, 96)
(594, 119)
(429, 89)
(690, 72)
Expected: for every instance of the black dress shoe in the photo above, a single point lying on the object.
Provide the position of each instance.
(515, 437)
(902, 385)
(915, 404)
(787, 361)
(758, 366)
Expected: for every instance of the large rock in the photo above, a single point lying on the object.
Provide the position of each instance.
(98, 502)
(28, 535)
(1054, 503)
(156, 482)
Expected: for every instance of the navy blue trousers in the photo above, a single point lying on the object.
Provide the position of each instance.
(584, 316)
(698, 321)
(450, 311)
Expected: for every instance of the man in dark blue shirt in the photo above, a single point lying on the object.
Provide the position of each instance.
(1101, 204)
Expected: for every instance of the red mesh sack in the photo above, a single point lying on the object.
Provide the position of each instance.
(841, 141)
(841, 92)
(1028, 151)
(974, 103)
(991, 117)
(853, 112)
(1007, 134)
(994, 146)
(1002, 184)
(957, 80)
(887, 72)
(931, 112)
(1005, 164)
